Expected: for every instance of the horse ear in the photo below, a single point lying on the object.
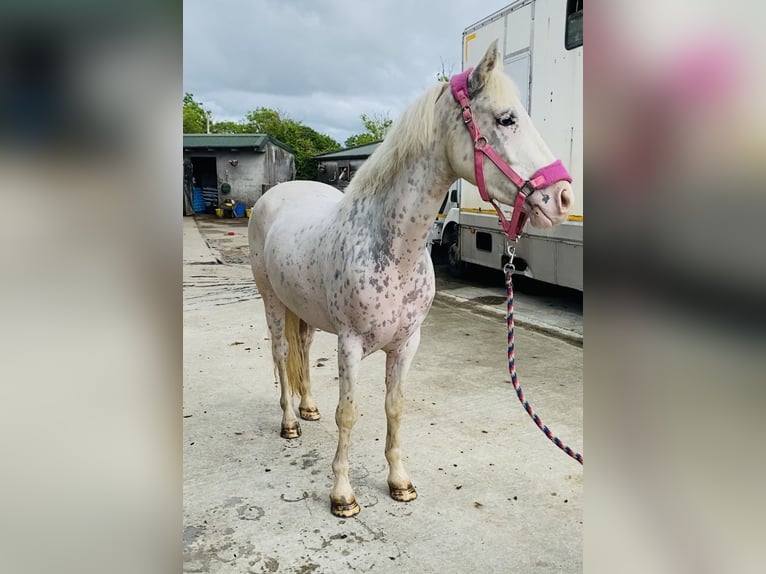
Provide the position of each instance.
(478, 77)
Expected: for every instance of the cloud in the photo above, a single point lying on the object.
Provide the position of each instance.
(321, 62)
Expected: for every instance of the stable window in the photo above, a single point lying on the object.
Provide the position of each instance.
(483, 241)
(573, 29)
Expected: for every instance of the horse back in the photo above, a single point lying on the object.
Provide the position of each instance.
(293, 199)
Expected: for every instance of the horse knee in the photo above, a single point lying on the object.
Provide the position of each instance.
(346, 413)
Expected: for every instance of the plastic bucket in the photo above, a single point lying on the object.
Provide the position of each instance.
(218, 212)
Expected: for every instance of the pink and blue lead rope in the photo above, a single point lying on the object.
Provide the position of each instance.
(515, 381)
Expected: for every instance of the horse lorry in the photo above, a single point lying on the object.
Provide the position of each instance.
(541, 43)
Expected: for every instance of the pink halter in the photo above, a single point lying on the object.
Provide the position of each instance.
(542, 178)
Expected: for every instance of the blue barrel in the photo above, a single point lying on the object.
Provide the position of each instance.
(239, 209)
(198, 200)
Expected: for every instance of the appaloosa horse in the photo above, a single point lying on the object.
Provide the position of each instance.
(356, 263)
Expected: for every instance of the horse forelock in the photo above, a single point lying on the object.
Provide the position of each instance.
(501, 88)
(411, 135)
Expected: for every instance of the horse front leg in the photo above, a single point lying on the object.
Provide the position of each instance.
(398, 363)
(342, 500)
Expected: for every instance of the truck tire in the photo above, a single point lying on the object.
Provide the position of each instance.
(456, 266)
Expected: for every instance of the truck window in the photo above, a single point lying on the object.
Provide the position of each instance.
(444, 203)
(573, 30)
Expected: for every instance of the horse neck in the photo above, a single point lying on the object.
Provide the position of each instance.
(399, 218)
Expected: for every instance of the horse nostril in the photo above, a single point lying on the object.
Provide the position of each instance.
(566, 198)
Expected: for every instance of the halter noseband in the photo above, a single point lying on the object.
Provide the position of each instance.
(542, 178)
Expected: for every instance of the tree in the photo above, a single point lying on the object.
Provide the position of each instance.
(229, 127)
(376, 126)
(269, 121)
(195, 116)
(444, 74)
(305, 141)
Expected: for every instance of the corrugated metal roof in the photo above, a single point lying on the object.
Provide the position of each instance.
(217, 141)
(360, 151)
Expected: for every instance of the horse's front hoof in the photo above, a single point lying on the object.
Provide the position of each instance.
(309, 414)
(291, 431)
(344, 509)
(403, 494)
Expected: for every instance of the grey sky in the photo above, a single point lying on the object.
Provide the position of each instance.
(322, 62)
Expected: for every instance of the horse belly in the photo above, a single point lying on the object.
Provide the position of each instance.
(304, 302)
(295, 276)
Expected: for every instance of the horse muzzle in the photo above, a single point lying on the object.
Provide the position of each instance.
(550, 206)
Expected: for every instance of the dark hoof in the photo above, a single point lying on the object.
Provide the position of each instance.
(309, 414)
(344, 509)
(403, 494)
(291, 431)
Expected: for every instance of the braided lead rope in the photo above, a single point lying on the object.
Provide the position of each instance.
(515, 381)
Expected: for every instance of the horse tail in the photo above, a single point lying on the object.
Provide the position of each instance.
(297, 362)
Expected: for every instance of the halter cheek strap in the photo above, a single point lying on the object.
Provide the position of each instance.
(542, 178)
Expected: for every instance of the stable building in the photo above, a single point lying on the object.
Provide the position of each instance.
(336, 168)
(233, 168)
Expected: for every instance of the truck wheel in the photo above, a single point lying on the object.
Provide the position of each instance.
(456, 266)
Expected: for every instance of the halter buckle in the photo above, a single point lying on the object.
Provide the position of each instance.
(527, 189)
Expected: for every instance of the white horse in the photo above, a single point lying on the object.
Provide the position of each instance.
(356, 264)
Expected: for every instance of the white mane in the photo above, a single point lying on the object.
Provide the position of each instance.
(413, 133)
(410, 136)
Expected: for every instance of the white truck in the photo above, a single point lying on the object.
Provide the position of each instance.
(541, 43)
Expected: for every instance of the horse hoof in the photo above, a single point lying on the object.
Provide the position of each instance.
(344, 509)
(291, 431)
(403, 494)
(309, 414)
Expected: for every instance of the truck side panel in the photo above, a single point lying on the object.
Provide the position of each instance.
(557, 86)
(549, 78)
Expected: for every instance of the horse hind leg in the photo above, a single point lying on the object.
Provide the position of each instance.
(299, 336)
(398, 363)
(276, 315)
(275, 318)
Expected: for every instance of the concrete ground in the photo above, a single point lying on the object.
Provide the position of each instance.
(494, 494)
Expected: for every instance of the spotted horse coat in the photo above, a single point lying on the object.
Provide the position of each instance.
(356, 263)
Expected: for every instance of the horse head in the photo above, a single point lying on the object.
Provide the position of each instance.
(500, 129)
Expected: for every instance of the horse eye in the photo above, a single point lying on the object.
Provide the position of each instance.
(507, 119)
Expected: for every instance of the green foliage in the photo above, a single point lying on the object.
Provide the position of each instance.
(269, 121)
(229, 127)
(195, 117)
(376, 126)
(360, 139)
(444, 75)
(305, 141)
